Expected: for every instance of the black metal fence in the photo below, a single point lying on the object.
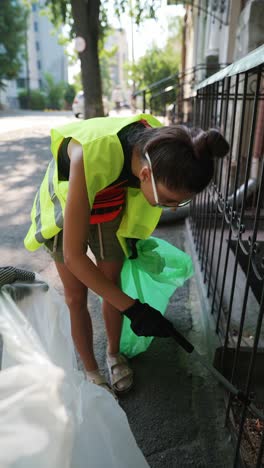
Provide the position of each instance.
(171, 96)
(227, 225)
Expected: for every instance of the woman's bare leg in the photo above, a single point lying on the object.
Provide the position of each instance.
(113, 323)
(81, 325)
(113, 319)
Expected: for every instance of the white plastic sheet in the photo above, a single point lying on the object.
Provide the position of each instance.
(51, 417)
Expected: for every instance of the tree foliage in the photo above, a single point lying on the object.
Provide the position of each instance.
(13, 27)
(69, 95)
(89, 19)
(154, 66)
(54, 92)
(36, 100)
(157, 65)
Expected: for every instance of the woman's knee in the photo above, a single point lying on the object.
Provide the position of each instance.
(76, 298)
(112, 270)
(75, 291)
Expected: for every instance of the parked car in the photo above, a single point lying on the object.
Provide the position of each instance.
(78, 105)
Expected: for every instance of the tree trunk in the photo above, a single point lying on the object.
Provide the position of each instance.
(86, 21)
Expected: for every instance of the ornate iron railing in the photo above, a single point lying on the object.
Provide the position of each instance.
(227, 228)
(227, 225)
(173, 96)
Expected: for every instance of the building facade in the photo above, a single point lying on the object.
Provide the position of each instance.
(215, 34)
(43, 55)
(118, 39)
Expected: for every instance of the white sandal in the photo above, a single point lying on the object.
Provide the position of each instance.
(99, 379)
(121, 375)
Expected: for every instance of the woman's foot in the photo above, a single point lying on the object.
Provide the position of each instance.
(121, 375)
(98, 379)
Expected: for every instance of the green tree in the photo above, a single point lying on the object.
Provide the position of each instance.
(68, 95)
(154, 66)
(54, 92)
(13, 27)
(88, 19)
(157, 65)
(36, 100)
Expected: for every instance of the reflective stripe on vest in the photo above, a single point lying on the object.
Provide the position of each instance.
(56, 202)
(38, 235)
(57, 207)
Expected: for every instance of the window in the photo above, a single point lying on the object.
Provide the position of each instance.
(37, 45)
(21, 82)
(35, 26)
(39, 64)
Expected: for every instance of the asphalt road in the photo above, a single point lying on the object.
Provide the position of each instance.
(176, 410)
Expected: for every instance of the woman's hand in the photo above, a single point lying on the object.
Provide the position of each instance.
(147, 321)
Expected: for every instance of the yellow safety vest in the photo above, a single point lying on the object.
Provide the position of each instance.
(103, 162)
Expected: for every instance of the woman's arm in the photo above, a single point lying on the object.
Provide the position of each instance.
(76, 232)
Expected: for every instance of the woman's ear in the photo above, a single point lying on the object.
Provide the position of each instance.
(144, 174)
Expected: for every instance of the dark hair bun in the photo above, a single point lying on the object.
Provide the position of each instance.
(217, 145)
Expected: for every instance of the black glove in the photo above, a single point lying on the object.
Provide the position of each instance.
(147, 321)
(133, 247)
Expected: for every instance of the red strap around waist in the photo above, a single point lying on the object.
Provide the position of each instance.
(104, 217)
(108, 203)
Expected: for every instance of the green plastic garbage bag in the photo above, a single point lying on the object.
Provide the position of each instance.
(152, 277)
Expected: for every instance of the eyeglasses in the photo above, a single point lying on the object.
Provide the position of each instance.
(155, 193)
